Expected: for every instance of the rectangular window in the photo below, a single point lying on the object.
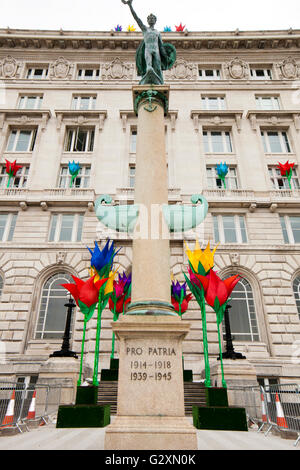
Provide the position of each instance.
(267, 103)
(80, 140)
(88, 74)
(66, 228)
(84, 103)
(281, 182)
(131, 176)
(37, 73)
(275, 142)
(81, 181)
(19, 181)
(261, 74)
(133, 137)
(209, 74)
(213, 102)
(230, 229)
(30, 102)
(290, 228)
(21, 140)
(215, 182)
(7, 226)
(217, 142)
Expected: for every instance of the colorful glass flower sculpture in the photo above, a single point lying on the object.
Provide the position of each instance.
(167, 29)
(216, 293)
(86, 296)
(180, 299)
(101, 265)
(180, 27)
(200, 262)
(286, 169)
(74, 169)
(222, 171)
(118, 28)
(131, 28)
(11, 169)
(118, 300)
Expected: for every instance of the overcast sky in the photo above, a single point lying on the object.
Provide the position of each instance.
(197, 15)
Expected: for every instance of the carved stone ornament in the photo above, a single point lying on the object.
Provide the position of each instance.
(117, 70)
(9, 67)
(61, 257)
(235, 258)
(182, 70)
(60, 68)
(236, 69)
(288, 69)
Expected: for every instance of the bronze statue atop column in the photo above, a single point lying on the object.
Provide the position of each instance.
(152, 56)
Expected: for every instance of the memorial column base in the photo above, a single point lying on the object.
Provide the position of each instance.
(150, 412)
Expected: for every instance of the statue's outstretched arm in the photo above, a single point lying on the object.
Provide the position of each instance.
(137, 19)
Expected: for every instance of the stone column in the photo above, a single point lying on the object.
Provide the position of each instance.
(150, 412)
(151, 248)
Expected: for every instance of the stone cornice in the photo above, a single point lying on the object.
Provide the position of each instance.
(25, 116)
(80, 117)
(217, 117)
(34, 39)
(273, 118)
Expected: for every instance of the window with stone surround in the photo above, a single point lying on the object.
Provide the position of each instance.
(281, 182)
(52, 311)
(18, 181)
(267, 102)
(37, 73)
(242, 314)
(88, 73)
(296, 290)
(290, 226)
(275, 141)
(211, 103)
(8, 222)
(215, 182)
(30, 101)
(229, 229)
(133, 137)
(131, 176)
(207, 73)
(217, 142)
(84, 102)
(258, 73)
(81, 181)
(79, 140)
(21, 140)
(66, 228)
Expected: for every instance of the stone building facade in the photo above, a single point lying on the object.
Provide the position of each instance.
(234, 98)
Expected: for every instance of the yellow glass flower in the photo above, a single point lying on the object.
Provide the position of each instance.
(109, 286)
(131, 28)
(206, 257)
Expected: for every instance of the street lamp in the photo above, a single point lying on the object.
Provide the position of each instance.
(229, 352)
(65, 348)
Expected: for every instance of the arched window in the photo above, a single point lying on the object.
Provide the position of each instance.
(242, 315)
(52, 312)
(296, 290)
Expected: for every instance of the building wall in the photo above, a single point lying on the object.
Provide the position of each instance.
(269, 264)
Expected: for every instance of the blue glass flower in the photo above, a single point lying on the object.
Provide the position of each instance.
(167, 29)
(118, 28)
(103, 258)
(222, 170)
(74, 168)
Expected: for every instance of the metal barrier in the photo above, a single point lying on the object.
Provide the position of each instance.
(248, 398)
(282, 404)
(21, 403)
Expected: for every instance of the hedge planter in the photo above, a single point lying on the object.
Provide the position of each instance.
(220, 418)
(83, 416)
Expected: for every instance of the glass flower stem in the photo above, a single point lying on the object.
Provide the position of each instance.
(221, 357)
(9, 180)
(82, 351)
(97, 346)
(205, 345)
(113, 335)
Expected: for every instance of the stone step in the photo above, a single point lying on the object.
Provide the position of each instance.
(194, 394)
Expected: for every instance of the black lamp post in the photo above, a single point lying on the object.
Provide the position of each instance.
(65, 348)
(229, 352)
